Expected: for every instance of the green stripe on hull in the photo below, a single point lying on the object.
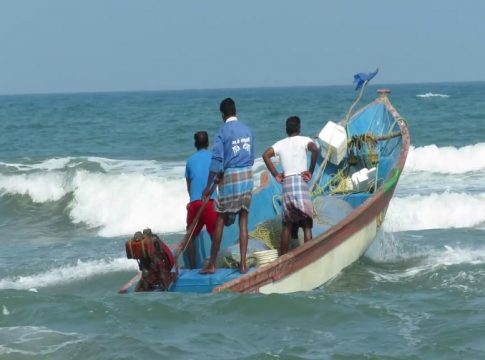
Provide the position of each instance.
(389, 184)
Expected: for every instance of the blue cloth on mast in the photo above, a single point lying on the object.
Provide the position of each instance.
(361, 78)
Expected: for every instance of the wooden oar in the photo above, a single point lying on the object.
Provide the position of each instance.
(190, 231)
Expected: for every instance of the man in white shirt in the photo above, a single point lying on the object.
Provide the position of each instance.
(297, 204)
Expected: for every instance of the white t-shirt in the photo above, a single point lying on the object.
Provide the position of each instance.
(292, 153)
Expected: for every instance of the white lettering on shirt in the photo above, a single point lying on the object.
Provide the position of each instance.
(246, 145)
(236, 149)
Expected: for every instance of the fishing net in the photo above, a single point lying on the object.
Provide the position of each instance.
(268, 232)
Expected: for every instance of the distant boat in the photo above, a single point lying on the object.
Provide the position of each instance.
(358, 172)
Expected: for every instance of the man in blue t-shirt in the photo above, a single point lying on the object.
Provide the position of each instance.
(196, 173)
(233, 154)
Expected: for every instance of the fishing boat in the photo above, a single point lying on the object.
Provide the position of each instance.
(360, 161)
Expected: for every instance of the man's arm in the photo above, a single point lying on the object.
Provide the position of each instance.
(187, 180)
(217, 163)
(313, 148)
(307, 175)
(213, 177)
(267, 155)
(187, 176)
(217, 160)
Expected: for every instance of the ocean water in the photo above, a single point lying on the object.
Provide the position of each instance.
(79, 173)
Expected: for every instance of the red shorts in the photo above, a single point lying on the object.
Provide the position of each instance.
(208, 217)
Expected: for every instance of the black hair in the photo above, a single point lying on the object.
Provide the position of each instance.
(292, 125)
(201, 140)
(228, 107)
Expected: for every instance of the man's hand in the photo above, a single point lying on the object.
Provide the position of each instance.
(206, 193)
(306, 175)
(212, 178)
(218, 178)
(280, 177)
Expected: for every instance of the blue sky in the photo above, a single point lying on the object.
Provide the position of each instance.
(100, 45)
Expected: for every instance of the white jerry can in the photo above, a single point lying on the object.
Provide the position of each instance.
(363, 179)
(333, 137)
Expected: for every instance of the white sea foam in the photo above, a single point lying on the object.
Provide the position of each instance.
(435, 211)
(147, 167)
(446, 256)
(40, 187)
(132, 194)
(5, 311)
(67, 274)
(34, 341)
(429, 95)
(446, 160)
(49, 164)
(172, 169)
(128, 196)
(122, 204)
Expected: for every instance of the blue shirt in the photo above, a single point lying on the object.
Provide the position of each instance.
(197, 171)
(233, 146)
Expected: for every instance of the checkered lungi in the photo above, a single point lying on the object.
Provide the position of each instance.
(235, 190)
(297, 204)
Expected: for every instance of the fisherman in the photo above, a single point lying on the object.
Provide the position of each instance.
(297, 204)
(233, 154)
(196, 174)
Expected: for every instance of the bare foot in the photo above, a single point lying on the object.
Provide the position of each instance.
(243, 269)
(209, 269)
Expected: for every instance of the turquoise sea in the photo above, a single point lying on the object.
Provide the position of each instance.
(80, 173)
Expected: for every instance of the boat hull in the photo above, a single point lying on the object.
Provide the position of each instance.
(319, 260)
(316, 262)
(326, 267)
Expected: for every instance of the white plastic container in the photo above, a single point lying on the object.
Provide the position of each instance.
(349, 185)
(371, 174)
(334, 137)
(363, 179)
(265, 256)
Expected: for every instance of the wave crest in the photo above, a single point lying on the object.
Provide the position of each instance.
(66, 274)
(430, 95)
(122, 204)
(40, 187)
(435, 211)
(446, 160)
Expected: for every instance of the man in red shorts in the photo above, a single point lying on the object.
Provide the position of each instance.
(196, 173)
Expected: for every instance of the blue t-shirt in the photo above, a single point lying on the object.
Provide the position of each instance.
(197, 171)
(233, 146)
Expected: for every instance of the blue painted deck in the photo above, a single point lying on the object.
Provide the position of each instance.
(192, 281)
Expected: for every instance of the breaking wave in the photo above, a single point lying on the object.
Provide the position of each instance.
(446, 160)
(67, 274)
(115, 197)
(435, 211)
(119, 197)
(40, 187)
(438, 258)
(121, 204)
(429, 95)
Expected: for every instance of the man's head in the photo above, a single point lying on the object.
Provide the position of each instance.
(227, 108)
(293, 125)
(201, 140)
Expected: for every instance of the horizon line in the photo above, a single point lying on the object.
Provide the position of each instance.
(75, 92)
